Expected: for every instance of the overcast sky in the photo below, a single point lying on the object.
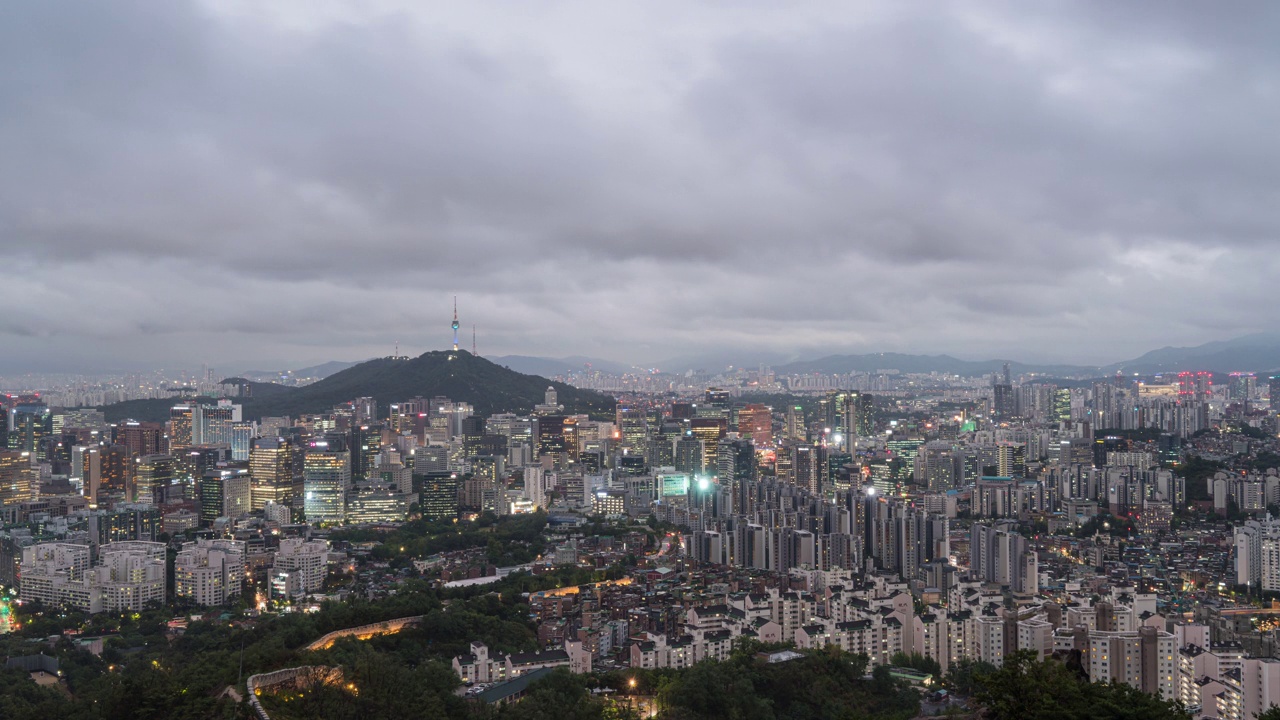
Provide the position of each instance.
(275, 184)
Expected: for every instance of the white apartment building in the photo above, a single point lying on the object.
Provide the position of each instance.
(308, 558)
(209, 572)
(127, 577)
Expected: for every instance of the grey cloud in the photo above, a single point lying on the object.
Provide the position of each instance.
(187, 182)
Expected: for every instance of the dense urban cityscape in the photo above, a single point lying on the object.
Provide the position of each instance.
(578, 360)
(935, 527)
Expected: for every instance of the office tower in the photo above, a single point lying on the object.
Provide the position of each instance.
(140, 438)
(326, 478)
(633, 428)
(18, 482)
(690, 454)
(736, 460)
(661, 452)
(124, 522)
(794, 425)
(154, 479)
(439, 496)
(29, 425)
(710, 431)
(117, 482)
(366, 444)
(473, 431)
(274, 471)
(224, 493)
(86, 465)
(242, 434)
(755, 422)
(1002, 397)
(211, 424)
(180, 427)
(209, 572)
(192, 463)
(558, 439)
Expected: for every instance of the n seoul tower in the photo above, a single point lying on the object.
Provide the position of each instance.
(455, 323)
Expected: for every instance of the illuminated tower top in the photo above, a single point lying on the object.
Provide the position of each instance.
(455, 323)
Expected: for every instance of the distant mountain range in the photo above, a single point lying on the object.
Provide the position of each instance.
(460, 376)
(923, 364)
(550, 367)
(1258, 353)
(1251, 353)
(319, 372)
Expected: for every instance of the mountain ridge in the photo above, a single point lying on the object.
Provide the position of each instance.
(459, 376)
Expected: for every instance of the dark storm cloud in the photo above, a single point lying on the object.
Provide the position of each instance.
(316, 180)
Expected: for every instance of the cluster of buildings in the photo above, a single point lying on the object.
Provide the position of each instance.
(131, 575)
(883, 513)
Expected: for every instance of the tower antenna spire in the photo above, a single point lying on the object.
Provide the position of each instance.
(455, 323)
(473, 340)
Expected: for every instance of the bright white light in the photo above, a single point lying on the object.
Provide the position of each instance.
(871, 490)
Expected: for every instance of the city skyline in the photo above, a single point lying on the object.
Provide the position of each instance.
(222, 183)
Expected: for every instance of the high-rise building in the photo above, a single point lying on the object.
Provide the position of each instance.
(366, 444)
(633, 428)
(1003, 399)
(439, 496)
(710, 431)
(736, 460)
(86, 466)
(18, 482)
(558, 439)
(154, 479)
(1240, 386)
(242, 434)
(117, 473)
(276, 475)
(224, 493)
(140, 438)
(326, 471)
(795, 429)
(755, 421)
(211, 424)
(180, 427)
(1000, 554)
(1273, 392)
(690, 454)
(29, 426)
